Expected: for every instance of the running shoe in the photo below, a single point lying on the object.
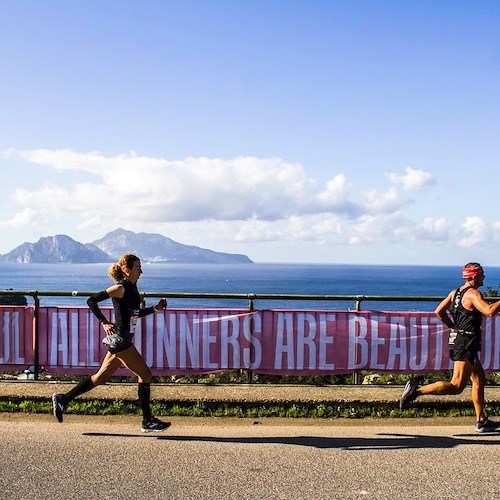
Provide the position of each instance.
(154, 425)
(410, 392)
(58, 406)
(487, 425)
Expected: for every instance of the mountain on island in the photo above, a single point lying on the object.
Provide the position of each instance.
(55, 249)
(149, 247)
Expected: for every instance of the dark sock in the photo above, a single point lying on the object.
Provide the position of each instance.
(144, 398)
(82, 387)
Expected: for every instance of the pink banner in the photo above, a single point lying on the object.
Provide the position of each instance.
(16, 337)
(269, 341)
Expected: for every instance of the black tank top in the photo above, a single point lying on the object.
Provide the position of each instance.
(127, 308)
(464, 319)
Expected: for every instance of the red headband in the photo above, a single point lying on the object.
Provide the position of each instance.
(469, 273)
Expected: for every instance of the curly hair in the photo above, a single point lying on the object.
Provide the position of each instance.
(116, 271)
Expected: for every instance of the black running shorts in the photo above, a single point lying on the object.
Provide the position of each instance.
(464, 346)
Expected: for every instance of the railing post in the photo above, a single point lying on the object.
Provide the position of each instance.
(250, 308)
(356, 375)
(36, 342)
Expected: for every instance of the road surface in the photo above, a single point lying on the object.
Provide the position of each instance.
(204, 458)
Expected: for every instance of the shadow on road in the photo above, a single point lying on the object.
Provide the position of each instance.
(380, 442)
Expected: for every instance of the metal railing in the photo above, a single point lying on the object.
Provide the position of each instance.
(249, 297)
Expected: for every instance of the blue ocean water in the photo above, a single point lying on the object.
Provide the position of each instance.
(259, 278)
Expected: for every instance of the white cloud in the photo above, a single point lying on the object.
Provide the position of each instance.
(23, 219)
(436, 230)
(335, 198)
(8, 153)
(380, 228)
(156, 190)
(475, 232)
(329, 229)
(256, 231)
(219, 203)
(413, 180)
(388, 202)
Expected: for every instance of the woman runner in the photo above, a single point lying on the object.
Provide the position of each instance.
(121, 350)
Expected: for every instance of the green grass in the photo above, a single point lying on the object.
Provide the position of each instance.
(248, 410)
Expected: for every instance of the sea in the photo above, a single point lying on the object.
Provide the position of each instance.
(257, 278)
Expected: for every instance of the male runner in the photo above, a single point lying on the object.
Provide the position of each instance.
(467, 307)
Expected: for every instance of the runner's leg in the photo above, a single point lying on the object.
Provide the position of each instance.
(461, 373)
(109, 365)
(478, 381)
(133, 360)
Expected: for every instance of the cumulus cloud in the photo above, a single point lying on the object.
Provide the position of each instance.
(386, 202)
(24, 218)
(475, 232)
(435, 230)
(328, 229)
(380, 228)
(335, 198)
(155, 189)
(392, 200)
(243, 199)
(413, 180)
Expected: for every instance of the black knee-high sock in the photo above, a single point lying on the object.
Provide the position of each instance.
(144, 398)
(82, 387)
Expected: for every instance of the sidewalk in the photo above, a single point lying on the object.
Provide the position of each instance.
(237, 393)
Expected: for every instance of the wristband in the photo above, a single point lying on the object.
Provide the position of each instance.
(146, 311)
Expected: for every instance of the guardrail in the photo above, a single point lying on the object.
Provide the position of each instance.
(249, 297)
(19, 295)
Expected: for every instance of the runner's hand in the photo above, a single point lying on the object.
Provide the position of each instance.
(109, 328)
(162, 304)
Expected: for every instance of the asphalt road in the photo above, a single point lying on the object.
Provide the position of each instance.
(108, 458)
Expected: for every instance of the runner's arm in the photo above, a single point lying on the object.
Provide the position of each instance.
(482, 306)
(442, 311)
(93, 300)
(162, 304)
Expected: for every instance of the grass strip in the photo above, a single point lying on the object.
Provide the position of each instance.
(249, 410)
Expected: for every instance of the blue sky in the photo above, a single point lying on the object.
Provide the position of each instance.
(290, 131)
